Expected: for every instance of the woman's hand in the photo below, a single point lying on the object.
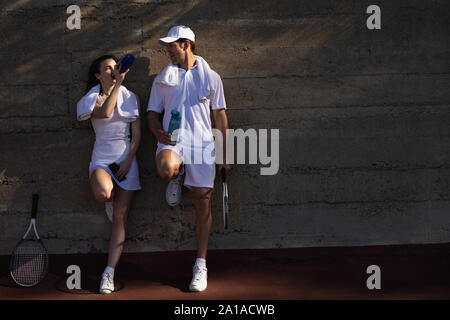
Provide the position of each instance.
(125, 166)
(117, 75)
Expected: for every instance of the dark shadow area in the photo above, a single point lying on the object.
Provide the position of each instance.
(407, 272)
(147, 272)
(363, 115)
(89, 286)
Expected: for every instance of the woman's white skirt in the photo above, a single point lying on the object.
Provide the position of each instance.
(107, 152)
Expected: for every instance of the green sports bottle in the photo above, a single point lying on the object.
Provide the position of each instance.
(174, 125)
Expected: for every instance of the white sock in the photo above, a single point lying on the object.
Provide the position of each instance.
(200, 262)
(109, 270)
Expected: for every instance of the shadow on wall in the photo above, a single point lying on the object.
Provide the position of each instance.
(310, 68)
(48, 74)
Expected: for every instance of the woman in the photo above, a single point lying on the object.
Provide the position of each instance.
(113, 171)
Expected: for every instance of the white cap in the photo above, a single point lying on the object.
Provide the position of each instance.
(175, 33)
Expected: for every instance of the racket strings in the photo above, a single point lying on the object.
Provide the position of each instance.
(29, 263)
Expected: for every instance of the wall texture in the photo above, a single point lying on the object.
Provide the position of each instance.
(364, 119)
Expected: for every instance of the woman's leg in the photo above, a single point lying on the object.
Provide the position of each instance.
(102, 185)
(122, 202)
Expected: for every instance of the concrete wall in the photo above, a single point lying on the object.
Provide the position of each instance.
(364, 118)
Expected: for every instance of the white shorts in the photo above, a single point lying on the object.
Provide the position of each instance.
(196, 175)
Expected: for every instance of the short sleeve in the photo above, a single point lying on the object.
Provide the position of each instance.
(156, 100)
(85, 107)
(218, 100)
(135, 102)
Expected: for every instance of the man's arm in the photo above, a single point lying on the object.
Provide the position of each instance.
(221, 123)
(155, 126)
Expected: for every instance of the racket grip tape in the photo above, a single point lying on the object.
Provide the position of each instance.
(223, 172)
(34, 207)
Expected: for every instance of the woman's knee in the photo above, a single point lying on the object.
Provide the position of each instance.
(102, 195)
(101, 185)
(120, 215)
(121, 205)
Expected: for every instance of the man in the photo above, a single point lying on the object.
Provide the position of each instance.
(188, 85)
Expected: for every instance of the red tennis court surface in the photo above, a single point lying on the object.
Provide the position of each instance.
(407, 272)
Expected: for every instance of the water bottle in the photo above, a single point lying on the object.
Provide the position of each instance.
(126, 62)
(174, 124)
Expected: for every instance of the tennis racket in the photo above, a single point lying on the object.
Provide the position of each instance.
(225, 198)
(29, 260)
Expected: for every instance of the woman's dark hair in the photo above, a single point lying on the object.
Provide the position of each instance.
(95, 68)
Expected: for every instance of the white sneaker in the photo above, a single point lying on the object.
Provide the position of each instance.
(107, 283)
(109, 209)
(173, 191)
(199, 280)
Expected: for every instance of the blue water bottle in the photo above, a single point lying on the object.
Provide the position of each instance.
(174, 124)
(126, 62)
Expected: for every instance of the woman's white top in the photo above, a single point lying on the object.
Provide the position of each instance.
(112, 143)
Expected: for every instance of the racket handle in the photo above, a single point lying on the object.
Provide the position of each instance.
(223, 172)
(34, 207)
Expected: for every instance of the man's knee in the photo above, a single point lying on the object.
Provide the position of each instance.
(168, 163)
(166, 173)
(202, 194)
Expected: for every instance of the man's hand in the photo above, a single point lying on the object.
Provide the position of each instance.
(164, 137)
(221, 121)
(226, 166)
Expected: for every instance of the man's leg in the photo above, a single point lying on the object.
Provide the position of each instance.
(167, 164)
(203, 219)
